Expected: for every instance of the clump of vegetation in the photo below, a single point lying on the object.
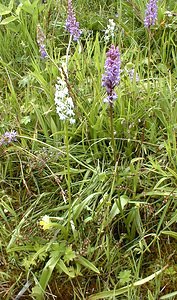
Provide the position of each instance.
(88, 150)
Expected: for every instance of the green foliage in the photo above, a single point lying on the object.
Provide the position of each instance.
(70, 214)
(125, 276)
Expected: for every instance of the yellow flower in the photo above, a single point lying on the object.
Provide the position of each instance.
(45, 222)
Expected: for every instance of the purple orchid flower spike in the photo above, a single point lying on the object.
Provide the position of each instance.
(72, 26)
(41, 42)
(151, 13)
(111, 77)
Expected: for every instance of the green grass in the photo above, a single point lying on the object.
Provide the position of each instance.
(111, 231)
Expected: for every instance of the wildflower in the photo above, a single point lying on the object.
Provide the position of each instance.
(72, 26)
(151, 13)
(132, 75)
(111, 78)
(8, 137)
(109, 32)
(41, 41)
(64, 103)
(45, 222)
(169, 13)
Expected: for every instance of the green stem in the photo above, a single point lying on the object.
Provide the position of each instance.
(149, 59)
(66, 141)
(112, 131)
(67, 53)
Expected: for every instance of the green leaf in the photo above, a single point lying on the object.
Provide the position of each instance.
(11, 4)
(42, 121)
(28, 262)
(77, 209)
(16, 232)
(28, 6)
(25, 120)
(168, 296)
(124, 276)
(47, 271)
(37, 292)
(18, 10)
(58, 249)
(8, 20)
(113, 293)
(118, 205)
(13, 26)
(109, 294)
(69, 271)
(150, 296)
(39, 289)
(172, 234)
(69, 255)
(5, 10)
(83, 261)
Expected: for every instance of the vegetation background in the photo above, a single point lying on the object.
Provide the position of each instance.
(75, 223)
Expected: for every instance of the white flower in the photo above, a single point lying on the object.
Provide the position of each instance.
(72, 121)
(109, 32)
(64, 103)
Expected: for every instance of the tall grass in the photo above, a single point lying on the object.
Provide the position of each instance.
(75, 223)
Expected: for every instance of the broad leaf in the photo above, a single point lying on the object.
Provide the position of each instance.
(8, 20)
(5, 10)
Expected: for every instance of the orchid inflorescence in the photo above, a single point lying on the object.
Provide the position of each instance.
(8, 137)
(150, 13)
(111, 77)
(72, 26)
(110, 30)
(63, 101)
(41, 42)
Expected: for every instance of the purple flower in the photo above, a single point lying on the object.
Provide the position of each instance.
(8, 137)
(111, 76)
(41, 41)
(71, 24)
(150, 13)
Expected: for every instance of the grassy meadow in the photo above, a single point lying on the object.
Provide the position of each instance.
(88, 210)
